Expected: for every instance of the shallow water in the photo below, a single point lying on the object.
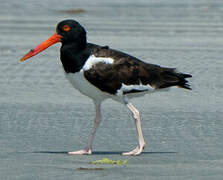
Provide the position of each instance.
(42, 117)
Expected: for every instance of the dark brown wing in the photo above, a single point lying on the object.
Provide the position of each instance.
(129, 70)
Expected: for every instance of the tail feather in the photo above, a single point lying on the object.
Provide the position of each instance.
(186, 75)
(174, 78)
(183, 83)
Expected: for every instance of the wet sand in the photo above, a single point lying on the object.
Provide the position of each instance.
(42, 116)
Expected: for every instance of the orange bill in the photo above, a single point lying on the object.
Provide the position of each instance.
(55, 38)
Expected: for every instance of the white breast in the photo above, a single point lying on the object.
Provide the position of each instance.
(80, 83)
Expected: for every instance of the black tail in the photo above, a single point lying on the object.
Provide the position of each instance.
(174, 78)
(184, 83)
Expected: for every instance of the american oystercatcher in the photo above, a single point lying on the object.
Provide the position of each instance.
(101, 73)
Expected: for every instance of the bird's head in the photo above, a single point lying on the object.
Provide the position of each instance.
(71, 31)
(67, 31)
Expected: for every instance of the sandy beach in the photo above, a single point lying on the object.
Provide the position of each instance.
(42, 117)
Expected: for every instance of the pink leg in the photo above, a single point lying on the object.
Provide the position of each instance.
(141, 142)
(88, 148)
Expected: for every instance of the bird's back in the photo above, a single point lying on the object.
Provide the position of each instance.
(130, 71)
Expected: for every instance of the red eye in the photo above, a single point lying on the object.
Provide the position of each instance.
(66, 28)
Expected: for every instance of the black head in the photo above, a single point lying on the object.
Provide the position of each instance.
(71, 31)
(68, 32)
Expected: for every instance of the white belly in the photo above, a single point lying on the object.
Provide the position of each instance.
(80, 83)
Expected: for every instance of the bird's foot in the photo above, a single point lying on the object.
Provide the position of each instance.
(85, 151)
(137, 151)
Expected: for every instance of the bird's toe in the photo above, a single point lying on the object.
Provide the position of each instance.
(81, 152)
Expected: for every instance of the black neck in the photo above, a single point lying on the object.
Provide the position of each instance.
(73, 56)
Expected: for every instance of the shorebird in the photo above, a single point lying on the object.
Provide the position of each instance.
(100, 72)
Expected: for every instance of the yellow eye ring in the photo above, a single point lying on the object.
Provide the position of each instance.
(66, 28)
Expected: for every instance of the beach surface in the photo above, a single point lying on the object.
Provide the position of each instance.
(42, 117)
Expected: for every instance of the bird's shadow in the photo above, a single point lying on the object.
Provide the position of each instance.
(98, 152)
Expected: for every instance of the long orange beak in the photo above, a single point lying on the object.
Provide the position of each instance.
(55, 38)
